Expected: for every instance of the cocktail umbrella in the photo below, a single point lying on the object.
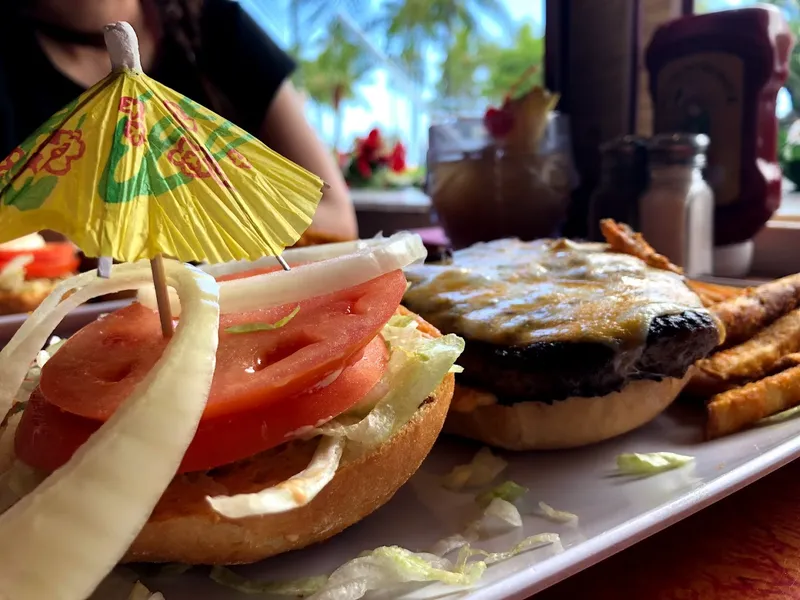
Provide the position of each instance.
(132, 170)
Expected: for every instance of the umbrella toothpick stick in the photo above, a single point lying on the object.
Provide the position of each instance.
(123, 50)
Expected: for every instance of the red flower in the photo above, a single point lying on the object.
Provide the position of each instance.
(397, 158)
(9, 161)
(131, 106)
(180, 115)
(363, 167)
(373, 141)
(238, 159)
(135, 132)
(57, 156)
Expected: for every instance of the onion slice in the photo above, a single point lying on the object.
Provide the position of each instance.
(293, 493)
(61, 540)
(375, 258)
(294, 256)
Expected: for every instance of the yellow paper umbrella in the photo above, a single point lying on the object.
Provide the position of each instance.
(132, 170)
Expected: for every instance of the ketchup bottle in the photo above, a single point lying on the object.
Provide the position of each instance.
(719, 74)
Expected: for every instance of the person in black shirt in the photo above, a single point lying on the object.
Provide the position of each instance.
(209, 50)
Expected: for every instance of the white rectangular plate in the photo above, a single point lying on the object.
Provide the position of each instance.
(614, 512)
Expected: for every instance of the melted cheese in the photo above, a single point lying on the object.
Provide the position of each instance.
(516, 293)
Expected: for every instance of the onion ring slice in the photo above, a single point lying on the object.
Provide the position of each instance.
(62, 539)
(373, 259)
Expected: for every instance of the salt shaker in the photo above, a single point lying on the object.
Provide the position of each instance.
(676, 213)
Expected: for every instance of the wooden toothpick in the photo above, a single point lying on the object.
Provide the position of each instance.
(162, 295)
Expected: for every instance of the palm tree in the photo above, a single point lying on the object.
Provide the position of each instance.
(457, 88)
(417, 30)
(333, 76)
(513, 68)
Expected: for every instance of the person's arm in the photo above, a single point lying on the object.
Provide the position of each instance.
(253, 73)
(286, 130)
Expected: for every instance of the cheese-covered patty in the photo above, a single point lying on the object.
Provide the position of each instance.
(554, 319)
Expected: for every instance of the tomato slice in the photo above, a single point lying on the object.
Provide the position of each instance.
(47, 436)
(55, 259)
(99, 366)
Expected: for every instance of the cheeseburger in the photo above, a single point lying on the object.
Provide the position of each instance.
(567, 343)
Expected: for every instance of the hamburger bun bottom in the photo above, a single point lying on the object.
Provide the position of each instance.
(184, 529)
(569, 423)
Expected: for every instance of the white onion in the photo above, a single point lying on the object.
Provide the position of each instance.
(296, 491)
(294, 256)
(61, 540)
(375, 258)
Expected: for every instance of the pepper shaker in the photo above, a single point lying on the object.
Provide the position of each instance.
(676, 213)
(623, 180)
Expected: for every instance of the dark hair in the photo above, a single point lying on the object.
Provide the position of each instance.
(181, 21)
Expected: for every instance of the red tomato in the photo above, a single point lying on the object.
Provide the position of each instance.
(47, 436)
(55, 259)
(98, 367)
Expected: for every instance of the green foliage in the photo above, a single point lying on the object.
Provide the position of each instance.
(417, 28)
(510, 67)
(332, 77)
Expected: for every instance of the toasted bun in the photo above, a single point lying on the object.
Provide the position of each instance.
(184, 529)
(563, 424)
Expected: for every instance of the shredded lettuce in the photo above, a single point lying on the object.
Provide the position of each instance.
(498, 518)
(391, 565)
(417, 364)
(650, 463)
(558, 516)
(529, 543)
(508, 491)
(252, 327)
(298, 588)
(484, 468)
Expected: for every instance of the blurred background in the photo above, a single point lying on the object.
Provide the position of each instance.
(399, 65)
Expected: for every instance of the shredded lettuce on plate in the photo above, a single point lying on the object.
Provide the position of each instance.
(298, 588)
(557, 516)
(509, 491)
(484, 468)
(650, 463)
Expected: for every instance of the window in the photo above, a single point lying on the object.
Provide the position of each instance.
(788, 106)
(398, 64)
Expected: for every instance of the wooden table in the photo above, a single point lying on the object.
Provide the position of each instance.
(746, 547)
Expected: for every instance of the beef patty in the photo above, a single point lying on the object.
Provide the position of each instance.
(556, 370)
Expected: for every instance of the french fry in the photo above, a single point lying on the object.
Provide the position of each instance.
(621, 238)
(744, 315)
(713, 293)
(786, 362)
(739, 408)
(759, 355)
